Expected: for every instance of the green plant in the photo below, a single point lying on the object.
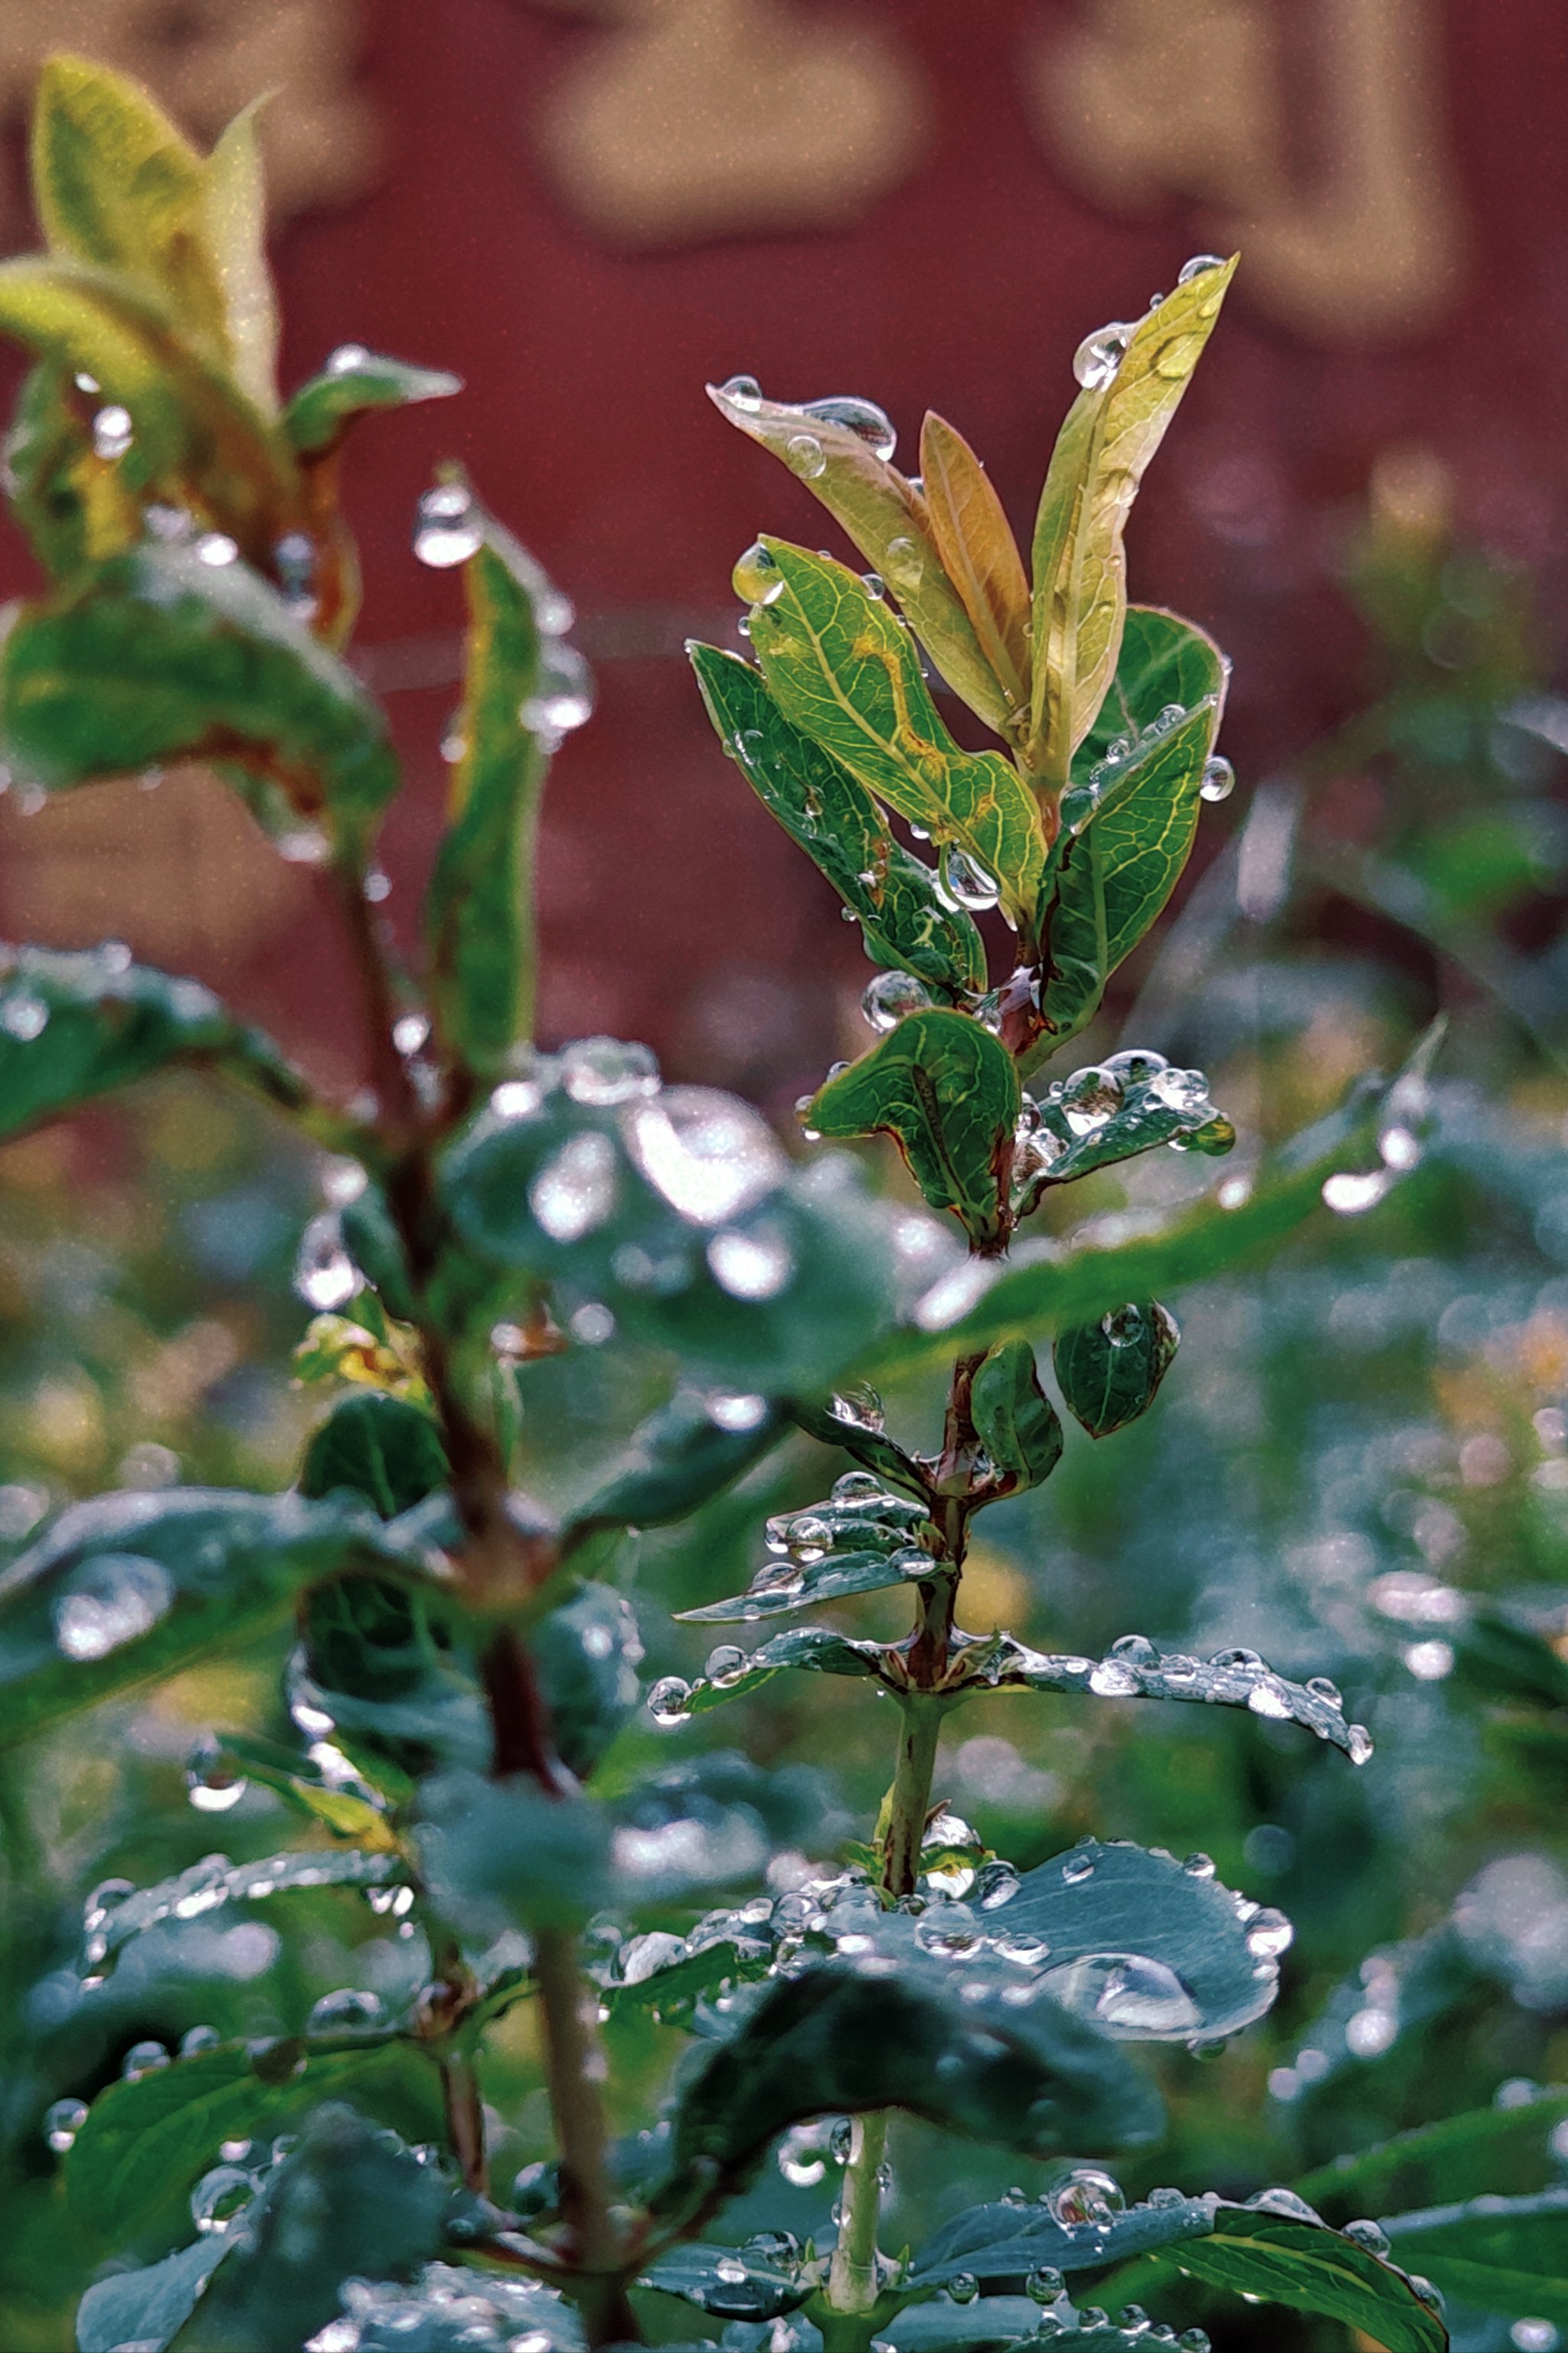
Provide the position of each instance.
(464, 1741)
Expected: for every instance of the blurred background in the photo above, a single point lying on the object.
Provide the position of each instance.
(1360, 1463)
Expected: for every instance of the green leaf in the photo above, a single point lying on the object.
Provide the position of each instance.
(396, 1675)
(835, 822)
(1130, 818)
(1109, 1372)
(947, 1090)
(342, 2203)
(887, 518)
(146, 2138)
(994, 2320)
(856, 1544)
(1013, 1419)
(842, 669)
(980, 556)
(195, 438)
(379, 1448)
(355, 381)
(479, 912)
(234, 229)
(815, 1649)
(585, 1654)
(1111, 432)
(1107, 1113)
(670, 1989)
(1304, 2264)
(495, 1855)
(214, 1882)
(133, 1587)
(732, 2283)
(1133, 1669)
(1009, 2242)
(161, 656)
(77, 1024)
(845, 2037)
(74, 506)
(148, 2307)
(843, 1424)
(1505, 2254)
(348, 1812)
(679, 1457)
(1497, 2150)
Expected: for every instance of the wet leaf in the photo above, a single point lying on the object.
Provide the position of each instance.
(732, 2282)
(1013, 1419)
(1108, 1112)
(1131, 814)
(980, 556)
(947, 1090)
(478, 914)
(1109, 1372)
(679, 1457)
(162, 656)
(840, 1424)
(1504, 2255)
(1111, 432)
(76, 1024)
(887, 518)
(394, 1670)
(827, 1551)
(148, 2307)
(353, 382)
(835, 822)
(379, 1448)
(76, 507)
(349, 1811)
(941, 2328)
(1310, 2268)
(1008, 2241)
(1496, 2150)
(842, 668)
(131, 1588)
(814, 1647)
(851, 2037)
(215, 1883)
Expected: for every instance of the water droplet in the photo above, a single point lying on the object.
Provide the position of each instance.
(1219, 780)
(1076, 1867)
(1113, 1680)
(112, 431)
(1367, 2234)
(342, 2012)
(1090, 1099)
(575, 1193)
(1133, 1991)
(757, 579)
(212, 1785)
(1270, 1935)
(346, 360)
(725, 1666)
(563, 697)
(1196, 268)
(605, 1071)
(446, 527)
(220, 2195)
(1045, 2284)
(1199, 1866)
(197, 2039)
(964, 883)
(709, 1155)
(1123, 1327)
(806, 455)
(1270, 1697)
(1192, 2341)
(1235, 1660)
(1351, 1193)
(1533, 2335)
(750, 1266)
(874, 584)
(1360, 1740)
(24, 1017)
(62, 2122)
(1430, 2296)
(216, 548)
(861, 417)
(326, 1277)
(1099, 356)
(891, 997)
(113, 1598)
(667, 1701)
(736, 1410)
(1089, 2197)
(962, 2287)
(743, 391)
(861, 1407)
(143, 2059)
(903, 565)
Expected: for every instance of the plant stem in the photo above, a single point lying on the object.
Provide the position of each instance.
(573, 2070)
(919, 1725)
(464, 2118)
(853, 2284)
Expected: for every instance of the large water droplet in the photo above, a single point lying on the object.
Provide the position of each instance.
(212, 1784)
(446, 527)
(1087, 2196)
(344, 2011)
(667, 1701)
(1196, 267)
(1219, 779)
(1076, 1867)
(709, 1155)
(806, 455)
(574, 1192)
(196, 2039)
(112, 431)
(964, 2287)
(1368, 2235)
(1360, 1744)
(903, 565)
(1090, 1099)
(1123, 1327)
(1099, 356)
(113, 1598)
(326, 1277)
(757, 579)
(889, 996)
(607, 1071)
(563, 697)
(24, 1017)
(964, 883)
(1045, 2284)
(143, 2059)
(743, 391)
(1131, 1991)
(862, 418)
(62, 2122)
(1113, 1679)
(220, 2195)
(1268, 1934)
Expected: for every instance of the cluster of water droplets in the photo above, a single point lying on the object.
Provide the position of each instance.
(797, 425)
(1099, 357)
(450, 527)
(1108, 1110)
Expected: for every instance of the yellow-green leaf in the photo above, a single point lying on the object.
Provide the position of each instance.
(844, 670)
(979, 555)
(1111, 432)
(886, 518)
(947, 1090)
(234, 229)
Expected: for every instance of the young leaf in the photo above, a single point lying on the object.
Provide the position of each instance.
(731, 2285)
(148, 2307)
(813, 1648)
(1013, 1419)
(1503, 2254)
(842, 1425)
(842, 669)
(349, 1811)
(233, 217)
(980, 556)
(835, 822)
(353, 382)
(1283, 2260)
(164, 655)
(1111, 432)
(585, 1654)
(782, 1585)
(1109, 1371)
(380, 1448)
(76, 507)
(479, 912)
(947, 1090)
(1107, 1112)
(394, 1672)
(887, 518)
(76, 1024)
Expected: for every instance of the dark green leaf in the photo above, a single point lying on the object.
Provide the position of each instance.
(479, 914)
(991, 2320)
(855, 1542)
(146, 2139)
(1497, 2150)
(396, 1675)
(1311, 2268)
(835, 822)
(353, 381)
(585, 1655)
(843, 668)
(496, 1854)
(1109, 1372)
(676, 1460)
(380, 1448)
(1013, 1419)
(76, 507)
(203, 1887)
(733, 2284)
(851, 2037)
(947, 1090)
(813, 1648)
(75, 1025)
(145, 2308)
(887, 518)
(1008, 2241)
(1107, 1113)
(1505, 2254)
(161, 656)
(843, 1424)
(132, 1586)
(341, 2204)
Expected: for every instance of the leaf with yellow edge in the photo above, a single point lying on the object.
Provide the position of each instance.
(1111, 432)
(234, 229)
(846, 670)
(887, 518)
(979, 553)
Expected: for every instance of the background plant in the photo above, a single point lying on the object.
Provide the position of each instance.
(521, 1251)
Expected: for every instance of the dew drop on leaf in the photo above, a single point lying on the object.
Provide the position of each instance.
(62, 2122)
